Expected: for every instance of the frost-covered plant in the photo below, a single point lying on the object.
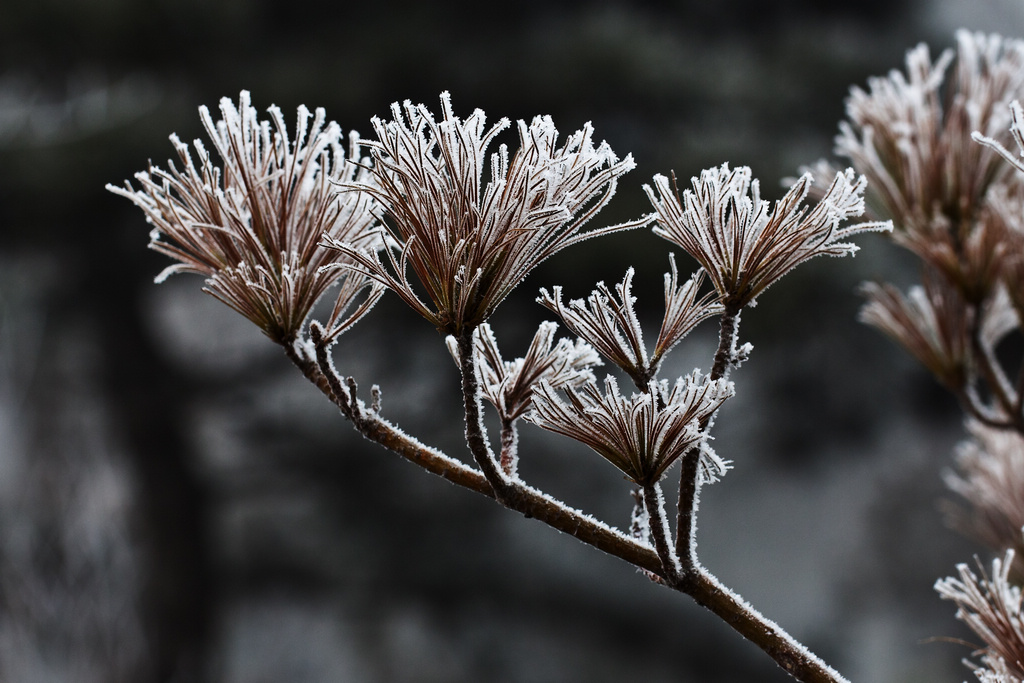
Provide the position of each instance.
(991, 607)
(472, 230)
(613, 328)
(932, 143)
(742, 245)
(254, 224)
(642, 435)
(910, 134)
(280, 222)
(990, 478)
(509, 385)
(932, 322)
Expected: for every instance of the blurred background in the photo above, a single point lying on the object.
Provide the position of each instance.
(177, 505)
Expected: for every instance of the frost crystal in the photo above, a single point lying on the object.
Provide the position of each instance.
(996, 670)
(642, 435)
(253, 225)
(472, 230)
(1016, 132)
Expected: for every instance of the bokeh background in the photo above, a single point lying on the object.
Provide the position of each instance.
(178, 506)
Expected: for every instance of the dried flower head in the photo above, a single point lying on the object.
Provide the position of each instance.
(991, 608)
(253, 225)
(724, 224)
(609, 322)
(911, 136)
(990, 478)
(471, 239)
(642, 435)
(932, 322)
(509, 385)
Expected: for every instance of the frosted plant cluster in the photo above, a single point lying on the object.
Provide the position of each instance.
(990, 476)
(609, 321)
(254, 226)
(509, 385)
(429, 209)
(991, 606)
(642, 435)
(742, 245)
(471, 224)
(932, 144)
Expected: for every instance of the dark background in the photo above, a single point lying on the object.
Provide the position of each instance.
(178, 505)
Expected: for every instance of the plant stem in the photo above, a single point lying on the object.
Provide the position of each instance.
(686, 517)
(691, 579)
(689, 475)
(699, 584)
(793, 657)
(476, 437)
(995, 377)
(509, 447)
(728, 329)
(528, 500)
(658, 524)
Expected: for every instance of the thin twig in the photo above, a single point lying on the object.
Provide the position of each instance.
(313, 373)
(725, 355)
(696, 582)
(660, 533)
(1019, 407)
(689, 475)
(976, 408)
(476, 435)
(686, 516)
(509, 447)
